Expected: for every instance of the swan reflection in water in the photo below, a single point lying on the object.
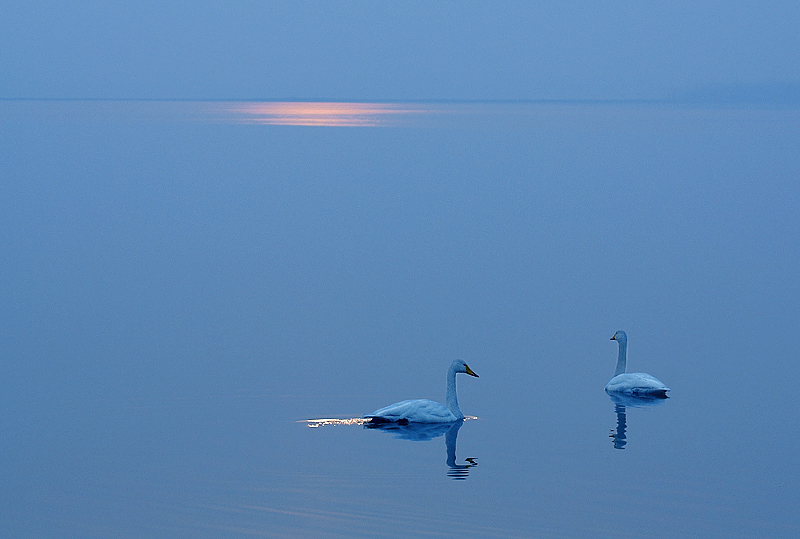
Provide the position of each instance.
(621, 403)
(418, 432)
(421, 432)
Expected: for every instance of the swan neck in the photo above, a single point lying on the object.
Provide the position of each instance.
(451, 400)
(623, 357)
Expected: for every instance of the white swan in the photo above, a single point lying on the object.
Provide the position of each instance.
(424, 410)
(632, 383)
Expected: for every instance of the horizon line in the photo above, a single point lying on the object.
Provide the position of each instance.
(333, 100)
(672, 100)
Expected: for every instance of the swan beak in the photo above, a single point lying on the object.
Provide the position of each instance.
(613, 338)
(469, 371)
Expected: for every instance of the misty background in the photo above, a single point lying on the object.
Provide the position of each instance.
(368, 50)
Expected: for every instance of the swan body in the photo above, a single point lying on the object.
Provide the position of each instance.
(632, 383)
(424, 410)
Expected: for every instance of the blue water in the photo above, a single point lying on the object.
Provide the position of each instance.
(185, 283)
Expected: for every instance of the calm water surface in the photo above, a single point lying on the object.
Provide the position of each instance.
(185, 283)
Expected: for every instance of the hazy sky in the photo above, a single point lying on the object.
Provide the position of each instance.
(393, 50)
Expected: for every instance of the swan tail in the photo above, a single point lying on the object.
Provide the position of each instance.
(378, 420)
(657, 393)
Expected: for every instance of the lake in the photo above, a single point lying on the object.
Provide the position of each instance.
(186, 284)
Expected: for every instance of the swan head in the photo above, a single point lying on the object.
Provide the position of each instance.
(620, 336)
(460, 366)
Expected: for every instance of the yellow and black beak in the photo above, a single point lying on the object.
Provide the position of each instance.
(470, 372)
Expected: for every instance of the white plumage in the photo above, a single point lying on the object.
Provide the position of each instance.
(632, 383)
(424, 410)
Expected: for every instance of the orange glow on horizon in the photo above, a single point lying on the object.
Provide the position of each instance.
(320, 114)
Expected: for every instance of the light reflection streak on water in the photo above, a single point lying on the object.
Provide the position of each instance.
(322, 114)
(316, 423)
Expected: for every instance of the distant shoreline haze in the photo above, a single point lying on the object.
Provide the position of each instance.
(734, 93)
